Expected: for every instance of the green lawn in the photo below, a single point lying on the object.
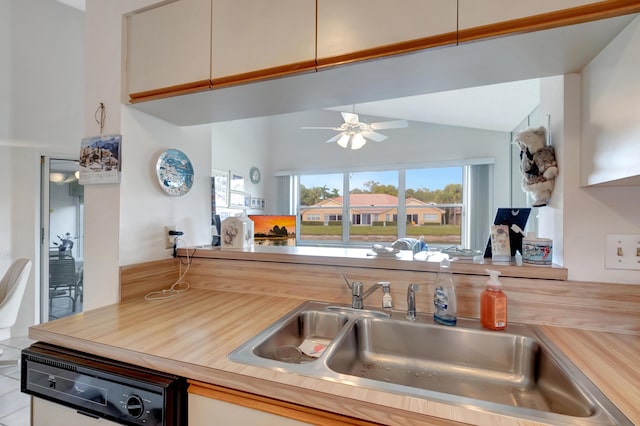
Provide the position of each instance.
(412, 231)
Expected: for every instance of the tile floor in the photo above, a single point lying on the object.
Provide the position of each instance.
(14, 405)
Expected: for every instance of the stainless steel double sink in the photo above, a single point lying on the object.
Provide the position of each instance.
(517, 372)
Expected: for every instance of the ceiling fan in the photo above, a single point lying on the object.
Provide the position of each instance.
(354, 133)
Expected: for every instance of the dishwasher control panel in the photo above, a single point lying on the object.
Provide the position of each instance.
(103, 388)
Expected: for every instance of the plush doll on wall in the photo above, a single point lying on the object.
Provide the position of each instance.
(537, 164)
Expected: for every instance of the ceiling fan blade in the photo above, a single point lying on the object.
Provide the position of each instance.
(394, 124)
(318, 128)
(350, 118)
(376, 137)
(335, 138)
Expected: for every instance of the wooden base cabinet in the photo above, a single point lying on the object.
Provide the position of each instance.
(211, 405)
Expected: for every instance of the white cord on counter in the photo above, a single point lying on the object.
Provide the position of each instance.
(179, 286)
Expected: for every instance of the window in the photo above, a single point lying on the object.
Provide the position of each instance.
(320, 197)
(431, 200)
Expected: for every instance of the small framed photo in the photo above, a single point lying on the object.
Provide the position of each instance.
(237, 182)
(255, 202)
(236, 199)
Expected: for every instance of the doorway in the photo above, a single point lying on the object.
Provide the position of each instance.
(62, 243)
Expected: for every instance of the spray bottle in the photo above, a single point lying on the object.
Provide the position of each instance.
(444, 297)
(493, 304)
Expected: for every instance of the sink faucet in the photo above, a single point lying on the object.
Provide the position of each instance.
(411, 301)
(357, 299)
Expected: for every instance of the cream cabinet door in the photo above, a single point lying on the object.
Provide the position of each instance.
(169, 45)
(474, 13)
(254, 35)
(205, 411)
(346, 27)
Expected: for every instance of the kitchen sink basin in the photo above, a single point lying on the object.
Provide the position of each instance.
(503, 368)
(516, 372)
(319, 327)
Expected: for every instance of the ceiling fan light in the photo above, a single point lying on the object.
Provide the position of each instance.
(56, 177)
(344, 140)
(358, 141)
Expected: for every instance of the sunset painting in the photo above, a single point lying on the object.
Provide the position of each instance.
(276, 230)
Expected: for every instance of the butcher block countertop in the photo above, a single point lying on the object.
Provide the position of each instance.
(192, 334)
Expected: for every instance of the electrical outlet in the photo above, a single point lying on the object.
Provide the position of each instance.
(622, 252)
(169, 239)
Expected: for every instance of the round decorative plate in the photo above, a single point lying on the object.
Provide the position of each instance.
(175, 172)
(254, 175)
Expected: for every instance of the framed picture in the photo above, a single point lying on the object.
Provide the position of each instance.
(237, 182)
(255, 202)
(236, 199)
(100, 159)
(220, 188)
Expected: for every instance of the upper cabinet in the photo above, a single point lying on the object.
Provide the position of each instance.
(490, 18)
(185, 46)
(363, 29)
(611, 113)
(255, 39)
(169, 48)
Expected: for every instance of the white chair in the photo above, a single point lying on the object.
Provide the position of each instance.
(12, 288)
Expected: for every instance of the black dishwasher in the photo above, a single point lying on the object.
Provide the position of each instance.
(103, 388)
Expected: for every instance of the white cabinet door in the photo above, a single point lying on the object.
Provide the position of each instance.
(46, 413)
(169, 45)
(254, 35)
(474, 13)
(205, 411)
(350, 26)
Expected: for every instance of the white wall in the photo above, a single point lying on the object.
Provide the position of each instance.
(5, 70)
(41, 45)
(125, 223)
(564, 133)
(145, 209)
(237, 146)
(6, 191)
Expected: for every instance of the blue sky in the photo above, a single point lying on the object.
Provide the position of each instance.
(436, 178)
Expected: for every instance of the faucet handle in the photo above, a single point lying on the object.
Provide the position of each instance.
(411, 301)
(356, 295)
(356, 288)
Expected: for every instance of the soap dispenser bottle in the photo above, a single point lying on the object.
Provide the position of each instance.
(493, 304)
(444, 297)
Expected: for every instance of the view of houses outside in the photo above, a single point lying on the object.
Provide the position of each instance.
(433, 212)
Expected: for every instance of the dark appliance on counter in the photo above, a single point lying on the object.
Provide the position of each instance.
(102, 388)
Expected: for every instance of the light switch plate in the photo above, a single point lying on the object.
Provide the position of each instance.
(622, 251)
